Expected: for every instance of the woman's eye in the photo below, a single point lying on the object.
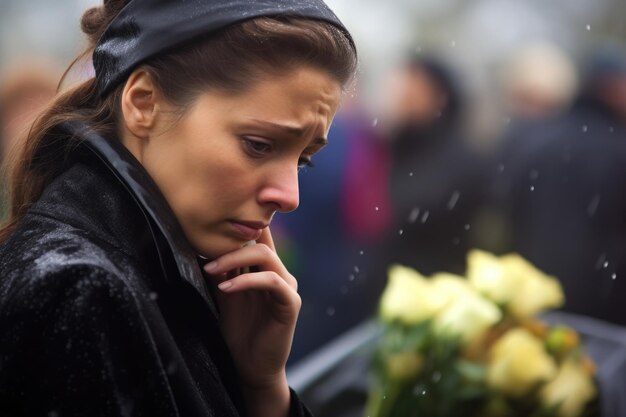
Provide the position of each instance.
(257, 148)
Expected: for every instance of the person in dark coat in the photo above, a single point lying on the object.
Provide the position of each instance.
(563, 188)
(435, 177)
(137, 271)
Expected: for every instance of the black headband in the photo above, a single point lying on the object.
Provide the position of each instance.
(147, 28)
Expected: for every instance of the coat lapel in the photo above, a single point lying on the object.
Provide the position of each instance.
(173, 249)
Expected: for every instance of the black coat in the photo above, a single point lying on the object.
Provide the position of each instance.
(104, 310)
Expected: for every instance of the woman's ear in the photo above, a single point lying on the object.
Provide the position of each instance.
(140, 104)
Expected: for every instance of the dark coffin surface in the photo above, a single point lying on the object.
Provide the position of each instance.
(333, 381)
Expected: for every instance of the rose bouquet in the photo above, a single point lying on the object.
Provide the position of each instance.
(472, 346)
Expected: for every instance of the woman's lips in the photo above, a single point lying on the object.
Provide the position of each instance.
(248, 230)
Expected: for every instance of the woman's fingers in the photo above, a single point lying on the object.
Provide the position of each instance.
(268, 281)
(260, 256)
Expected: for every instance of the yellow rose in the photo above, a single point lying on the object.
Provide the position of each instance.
(466, 313)
(513, 282)
(488, 275)
(408, 297)
(404, 365)
(448, 287)
(518, 362)
(537, 291)
(572, 387)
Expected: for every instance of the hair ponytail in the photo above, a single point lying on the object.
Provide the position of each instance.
(35, 159)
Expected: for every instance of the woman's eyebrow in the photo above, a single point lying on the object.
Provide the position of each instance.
(294, 131)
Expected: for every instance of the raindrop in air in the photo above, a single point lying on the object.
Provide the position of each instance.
(425, 216)
(351, 277)
(376, 208)
(585, 128)
(600, 261)
(588, 27)
(362, 253)
(593, 205)
(356, 269)
(330, 311)
(614, 276)
(410, 174)
(454, 198)
(532, 188)
(606, 264)
(375, 122)
(154, 296)
(400, 232)
(467, 227)
(414, 215)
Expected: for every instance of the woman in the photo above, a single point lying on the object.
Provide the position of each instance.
(179, 151)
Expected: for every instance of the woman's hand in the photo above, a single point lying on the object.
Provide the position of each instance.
(258, 317)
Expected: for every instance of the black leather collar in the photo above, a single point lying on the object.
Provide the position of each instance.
(164, 226)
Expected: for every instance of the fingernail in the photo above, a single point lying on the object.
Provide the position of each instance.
(225, 285)
(210, 266)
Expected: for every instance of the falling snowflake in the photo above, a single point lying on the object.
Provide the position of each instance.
(454, 198)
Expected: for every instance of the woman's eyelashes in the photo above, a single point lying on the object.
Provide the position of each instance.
(258, 148)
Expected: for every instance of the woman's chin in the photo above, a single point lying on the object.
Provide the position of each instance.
(213, 247)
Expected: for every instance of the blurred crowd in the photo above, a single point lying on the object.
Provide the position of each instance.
(412, 184)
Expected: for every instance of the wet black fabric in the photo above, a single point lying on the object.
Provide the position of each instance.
(147, 28)
(103, 308)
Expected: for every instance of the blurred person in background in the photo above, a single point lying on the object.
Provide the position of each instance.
(539, 82)
(435, 178)
(26, 87)
(565, 193)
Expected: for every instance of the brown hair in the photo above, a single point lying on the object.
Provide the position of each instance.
(229, 60)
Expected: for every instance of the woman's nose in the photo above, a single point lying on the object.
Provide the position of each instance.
(281, 190)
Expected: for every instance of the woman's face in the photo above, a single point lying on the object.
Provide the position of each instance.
(232, 160)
